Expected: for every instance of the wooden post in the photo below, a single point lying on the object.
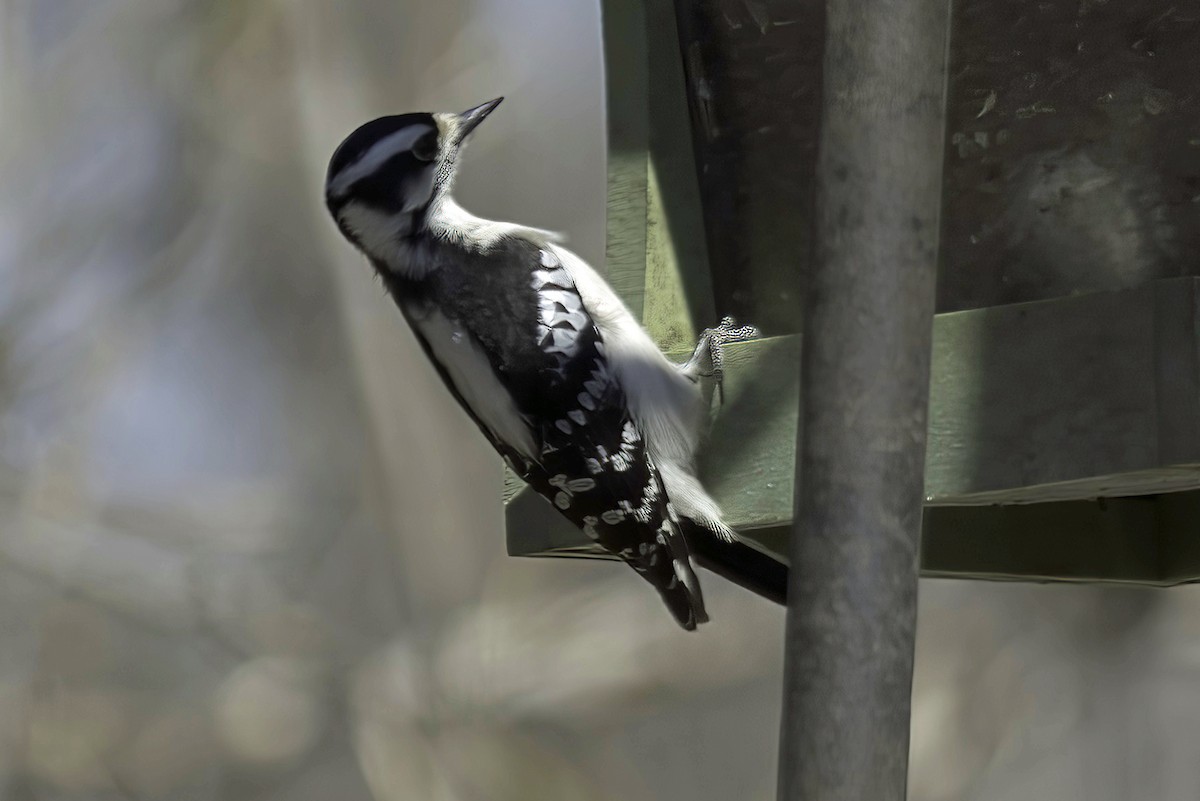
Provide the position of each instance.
(864, 398)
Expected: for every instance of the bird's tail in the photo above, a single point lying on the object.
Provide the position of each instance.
(684, 600)
(738, 561)
(668, 567)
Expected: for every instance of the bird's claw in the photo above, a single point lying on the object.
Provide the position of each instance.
(711, 345)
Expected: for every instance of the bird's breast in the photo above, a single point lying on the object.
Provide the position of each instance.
(473, 377)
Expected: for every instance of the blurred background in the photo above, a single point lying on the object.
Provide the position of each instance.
(249, 550)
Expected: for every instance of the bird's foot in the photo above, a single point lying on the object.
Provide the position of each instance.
(708, 359)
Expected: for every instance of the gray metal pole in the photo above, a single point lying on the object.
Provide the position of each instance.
(852, 595)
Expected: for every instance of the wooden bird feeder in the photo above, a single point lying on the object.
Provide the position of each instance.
(1064, 423)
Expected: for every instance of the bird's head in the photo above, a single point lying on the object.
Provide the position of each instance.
(386, 175)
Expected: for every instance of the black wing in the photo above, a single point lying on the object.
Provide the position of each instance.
(591, 463)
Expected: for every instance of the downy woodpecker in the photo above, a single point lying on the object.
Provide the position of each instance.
(548, 362)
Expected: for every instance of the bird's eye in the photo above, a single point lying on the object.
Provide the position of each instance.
(425, 148)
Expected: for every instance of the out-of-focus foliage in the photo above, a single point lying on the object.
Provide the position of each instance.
(248, 549)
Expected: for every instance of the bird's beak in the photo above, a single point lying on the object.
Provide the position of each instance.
(470, 119)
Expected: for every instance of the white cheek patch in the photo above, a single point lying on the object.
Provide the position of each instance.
(374, 232)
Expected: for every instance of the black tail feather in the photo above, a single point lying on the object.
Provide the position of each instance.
(672, 576)
(677, 583)
(739, 562)
(682, 606)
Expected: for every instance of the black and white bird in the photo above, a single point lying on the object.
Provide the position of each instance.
(545, 358)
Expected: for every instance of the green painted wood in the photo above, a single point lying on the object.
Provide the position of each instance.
(748, 457)
(1176, 514)
(627, 93)
(1078, 375)
(1037, 409)
(1084, 540)
(665, 313)
(679, 287)
(656, 255)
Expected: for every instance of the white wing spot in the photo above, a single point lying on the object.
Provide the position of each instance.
(563, 426)
(586, 401)
(563, 296)
(576, 319)
(562, 500)
(560, 341)
(577, 416)
(557, 277)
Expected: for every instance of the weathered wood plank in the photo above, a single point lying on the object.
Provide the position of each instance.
(1042, 393)
(627, 93)
(748, 457)
(679, 288)
(656, 255)
(754, 77)
(1057, 541)
(665, 313)
(1053, 403)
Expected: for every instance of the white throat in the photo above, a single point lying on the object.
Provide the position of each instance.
(388, 238)
(450, 222)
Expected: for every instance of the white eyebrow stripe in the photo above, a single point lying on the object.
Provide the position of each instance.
(377, 155)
